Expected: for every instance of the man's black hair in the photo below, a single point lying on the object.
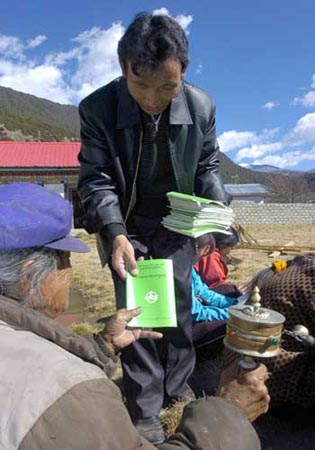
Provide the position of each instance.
(226, 240)
(152, 39)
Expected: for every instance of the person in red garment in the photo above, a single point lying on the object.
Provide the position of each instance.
(212, 268)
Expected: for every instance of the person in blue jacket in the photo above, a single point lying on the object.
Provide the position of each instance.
(209, 316)
(207, 305)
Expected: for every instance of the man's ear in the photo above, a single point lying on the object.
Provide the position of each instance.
(207, 250)
(123, 67)
(23, 280)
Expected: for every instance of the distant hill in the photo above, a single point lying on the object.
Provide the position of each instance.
(263, 168)
(25, 117)
(233, 173)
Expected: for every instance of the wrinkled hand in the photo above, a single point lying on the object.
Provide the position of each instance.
(246, 389)
(117, 334)
(123, 257)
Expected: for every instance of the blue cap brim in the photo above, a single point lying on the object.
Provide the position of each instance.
(69, 244)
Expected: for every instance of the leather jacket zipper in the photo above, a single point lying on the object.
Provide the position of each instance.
(135, 178)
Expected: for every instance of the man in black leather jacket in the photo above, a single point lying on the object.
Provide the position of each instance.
(144, 134)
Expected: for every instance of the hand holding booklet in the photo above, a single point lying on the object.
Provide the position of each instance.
(153, 290)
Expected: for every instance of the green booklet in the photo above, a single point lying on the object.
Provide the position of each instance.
(153, 290)
(192, 200)
(196, 232)
(194, 216)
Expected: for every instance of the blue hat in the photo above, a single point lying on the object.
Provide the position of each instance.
(32, 216)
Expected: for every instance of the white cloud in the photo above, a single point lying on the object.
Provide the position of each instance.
(36, 41)
(161, 12)
(11, 47)
(262, 148)
(62, 58)
(230, 140)
(267, 134)
(303, 132)
(41, 80)
(270, 105)
(288, 159)
(183, 20)
(308, 100)
(199, 69)
(94, 57)
(257, 150)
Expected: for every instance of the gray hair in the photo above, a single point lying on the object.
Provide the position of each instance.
(15, 267)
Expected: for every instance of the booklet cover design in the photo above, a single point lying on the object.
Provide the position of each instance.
(153, 290)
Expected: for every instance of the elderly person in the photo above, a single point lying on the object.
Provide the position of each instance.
(289, 287)
(55, 390)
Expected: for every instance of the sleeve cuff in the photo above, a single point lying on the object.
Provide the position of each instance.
(113, 229)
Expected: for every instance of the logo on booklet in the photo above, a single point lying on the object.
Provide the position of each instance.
(151, 297)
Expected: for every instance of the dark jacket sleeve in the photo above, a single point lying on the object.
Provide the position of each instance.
(92, 416)
(212, 423)
(97, 179)
(208, 181)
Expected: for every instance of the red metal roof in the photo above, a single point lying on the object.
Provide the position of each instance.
(39, 154)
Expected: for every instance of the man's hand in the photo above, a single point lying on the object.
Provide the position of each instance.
(123, 256)
(119, 336)
(246, 389)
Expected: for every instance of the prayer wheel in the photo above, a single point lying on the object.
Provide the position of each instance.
(254, 331)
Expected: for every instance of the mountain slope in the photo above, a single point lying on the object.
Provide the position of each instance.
(36, 118)
(233, 173)
(263, 168)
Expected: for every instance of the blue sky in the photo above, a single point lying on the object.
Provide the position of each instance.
(256, 58)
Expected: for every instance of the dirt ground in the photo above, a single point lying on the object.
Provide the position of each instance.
(247, 262)
(96, 285)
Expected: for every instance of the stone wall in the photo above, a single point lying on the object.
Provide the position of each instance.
(249, 213)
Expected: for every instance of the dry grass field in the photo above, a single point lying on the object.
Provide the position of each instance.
(96, 286)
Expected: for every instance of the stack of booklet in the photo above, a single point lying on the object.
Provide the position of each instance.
(195, 216)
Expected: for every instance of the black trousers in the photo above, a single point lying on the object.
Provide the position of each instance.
(156, 371)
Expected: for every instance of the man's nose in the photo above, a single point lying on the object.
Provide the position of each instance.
(151, 98)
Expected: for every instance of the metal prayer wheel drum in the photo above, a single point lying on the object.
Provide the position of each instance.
(253, 330)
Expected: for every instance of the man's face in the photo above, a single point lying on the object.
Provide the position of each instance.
(153, 91)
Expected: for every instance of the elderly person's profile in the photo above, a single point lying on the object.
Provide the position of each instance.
(55, 389)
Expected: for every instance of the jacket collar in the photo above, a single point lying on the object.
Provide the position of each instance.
(179, 114)
(128, 111)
